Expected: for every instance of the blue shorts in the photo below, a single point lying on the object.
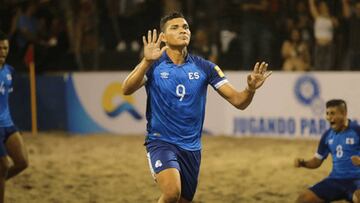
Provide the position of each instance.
(5, 133)
(163, 155)
(331, 189)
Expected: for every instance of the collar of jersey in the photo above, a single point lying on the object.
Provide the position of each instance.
(166, 58)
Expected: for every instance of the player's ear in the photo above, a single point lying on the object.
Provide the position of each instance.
(163, 38)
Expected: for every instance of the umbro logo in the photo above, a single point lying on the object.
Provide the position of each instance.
(164, 75)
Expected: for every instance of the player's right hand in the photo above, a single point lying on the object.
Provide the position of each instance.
(355, 160)
(152, 43)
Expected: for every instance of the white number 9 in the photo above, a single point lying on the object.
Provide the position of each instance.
(180, 91)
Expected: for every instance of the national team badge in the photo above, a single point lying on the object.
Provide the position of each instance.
(350, 141)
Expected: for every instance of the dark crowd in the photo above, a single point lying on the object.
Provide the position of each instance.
(96, 35)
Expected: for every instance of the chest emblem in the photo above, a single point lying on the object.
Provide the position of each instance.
(331, 141)
(349, 141)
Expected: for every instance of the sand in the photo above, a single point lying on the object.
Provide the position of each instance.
(113, 168)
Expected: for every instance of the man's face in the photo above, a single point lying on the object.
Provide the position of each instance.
(177, 32)
(337, 118)
(4, 50)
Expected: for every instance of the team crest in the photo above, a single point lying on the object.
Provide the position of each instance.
(350, 141)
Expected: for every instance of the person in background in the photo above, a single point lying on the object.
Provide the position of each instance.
(295, 53)
(342, 141)
(11, 144)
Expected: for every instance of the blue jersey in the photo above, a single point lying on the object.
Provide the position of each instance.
(176, 99)
(6, 73)
(342, 145)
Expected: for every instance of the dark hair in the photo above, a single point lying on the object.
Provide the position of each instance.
(336, 103)
(168, 17)
(3, 36)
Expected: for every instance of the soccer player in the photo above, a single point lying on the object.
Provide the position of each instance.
(342, 141)
(11, 144)
(176, 85)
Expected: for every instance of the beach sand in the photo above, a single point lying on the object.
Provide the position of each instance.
(114, 169)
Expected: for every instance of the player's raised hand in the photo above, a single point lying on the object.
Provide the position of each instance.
(355, 160)
(258, 76)
(152, 43)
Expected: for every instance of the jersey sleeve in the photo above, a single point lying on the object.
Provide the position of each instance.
(216, 78)
(323, 149)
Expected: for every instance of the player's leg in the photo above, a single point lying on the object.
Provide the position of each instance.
(308, 196)
(183, 200)
(169, 183)
(356, 196)
(4, 168)
(4, 164)
(16, 149)
(326, 190)
(165, 169)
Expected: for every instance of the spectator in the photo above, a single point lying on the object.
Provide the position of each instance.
(324, 26)
(295, 53)
(353, 18)
(203, 47)
(255, 32)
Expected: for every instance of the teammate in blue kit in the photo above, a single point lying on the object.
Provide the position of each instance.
(342, 141)
(11, 142)
(176, 85)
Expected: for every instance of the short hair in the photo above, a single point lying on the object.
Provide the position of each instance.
(3, 36)
(168, 17)
(336, 103)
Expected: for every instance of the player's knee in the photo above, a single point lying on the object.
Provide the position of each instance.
(304, 198)
(4, 166)
(22, 164)
(172, 195)
(356, 196)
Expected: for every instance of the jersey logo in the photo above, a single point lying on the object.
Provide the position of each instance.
(219, 71)
(331, 141)
(8, 76)
(158, 164)
(164, 75)
(350, 141)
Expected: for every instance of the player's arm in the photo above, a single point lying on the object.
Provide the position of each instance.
(136, 78)
(313, 9)
(355, 160)
(152, 52)
(312, 163)
(255, 80)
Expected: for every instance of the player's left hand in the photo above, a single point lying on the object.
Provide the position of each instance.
(258, 76)
(355, 160)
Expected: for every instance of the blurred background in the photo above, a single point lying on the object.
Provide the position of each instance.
(77, 42)
(97, 35)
